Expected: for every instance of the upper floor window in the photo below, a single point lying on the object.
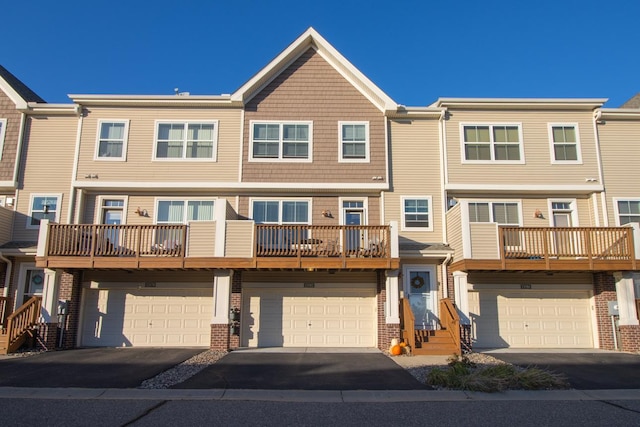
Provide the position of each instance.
(416, 213)
(112, 139)
(281, 211)
(503, 213)
(492, 143)
(628, 211)
(354, 141)
(180, 211)
(565, 146)
(43, 206)
(3, 129)
(186, 140)
(286, 141)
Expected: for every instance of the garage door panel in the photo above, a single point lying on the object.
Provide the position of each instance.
(530, 319)
(308, 317)
(147, 317)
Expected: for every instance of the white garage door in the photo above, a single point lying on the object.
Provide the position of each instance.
(309, 317)
(147, 317)
(531, 319)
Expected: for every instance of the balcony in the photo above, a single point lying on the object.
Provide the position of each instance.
(488, 246)
(216, 244)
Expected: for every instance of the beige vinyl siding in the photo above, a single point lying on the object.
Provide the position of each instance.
(202, 239)
(140, 166)
(416, 172)
(620, 148)
(11, 136)
(538, 169)
(500, 280)
(312, 90)
(454, 231)
(484, 241)
(173, 279)
(6, 224)
(239, 239)
(231, 212)
(302, 277)
(48, 154)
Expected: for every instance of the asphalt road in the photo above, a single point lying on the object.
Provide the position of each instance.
(97, 413)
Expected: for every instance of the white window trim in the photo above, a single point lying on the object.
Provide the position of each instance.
(365, 208)
(552, 152)
(616, 210)
(491, 202)
(125, 140)
(429, 213)
(58, 211)
(3, 132)
(281, 123)
(574, 210)
(22, 276)
(214, 149)
(493, 161)
(100, 210)
(185, 200)
(280, 200)
(366, 146)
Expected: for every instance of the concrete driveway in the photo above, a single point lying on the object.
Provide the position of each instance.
(304, 369)
(91, 367)
(586, 370)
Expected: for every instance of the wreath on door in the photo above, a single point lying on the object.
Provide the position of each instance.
(417, 282)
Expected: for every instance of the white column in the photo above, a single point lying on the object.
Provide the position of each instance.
(392, 305)
(626, 298)
(395, 242)
(49, 311)
(636, 238)
(221, 296)
(460, 288)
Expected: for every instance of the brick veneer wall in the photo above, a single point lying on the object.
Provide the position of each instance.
(604, 290)
(386, 332)
(47, 336)
(451, 290)
(70, 290)
(630, 338)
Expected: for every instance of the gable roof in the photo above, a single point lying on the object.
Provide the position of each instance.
(17, 91)
(311, 39)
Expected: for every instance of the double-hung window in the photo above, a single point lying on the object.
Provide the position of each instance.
(628, 211)
(416, 213)
(281, 212)
(112, 139)
(492, 143)
(3, 130)
(43, 206)
(502, 213)
(565, 145)
(177, 211)
(281, 141)
(354, 141)
(186, 140)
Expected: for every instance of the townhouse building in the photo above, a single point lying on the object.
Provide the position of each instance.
(309, 209)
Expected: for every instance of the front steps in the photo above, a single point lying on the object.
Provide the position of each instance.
(434, 342)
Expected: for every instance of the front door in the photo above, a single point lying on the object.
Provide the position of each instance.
(34, 283)
(419, 286)
(566, 243)
(112, 213)
(354, 216)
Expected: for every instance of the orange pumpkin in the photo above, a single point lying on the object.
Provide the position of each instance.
(396, 350)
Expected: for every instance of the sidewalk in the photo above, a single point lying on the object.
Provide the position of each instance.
(327, 396)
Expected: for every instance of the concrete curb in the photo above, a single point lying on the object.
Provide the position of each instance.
(327, 396)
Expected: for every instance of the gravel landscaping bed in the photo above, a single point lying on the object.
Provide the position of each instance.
(183, 371)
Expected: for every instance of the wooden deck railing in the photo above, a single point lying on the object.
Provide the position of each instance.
(21, 321)
(407, 324)
(450, 321)
(116, 240)
(319, 240)
(605, 243)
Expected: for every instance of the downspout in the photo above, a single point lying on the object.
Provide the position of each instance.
(443, 171)
(596, 117)
(16, 168)
(7, 278)
(445, 275)
(74, 173)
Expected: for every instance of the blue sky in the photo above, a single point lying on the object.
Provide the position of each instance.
(415, 51)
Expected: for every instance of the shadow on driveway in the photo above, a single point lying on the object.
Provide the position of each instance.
(91, 367)
(304, 371)
(585, 371)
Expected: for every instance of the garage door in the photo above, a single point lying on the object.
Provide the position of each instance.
(147, 317)
(531, 319)
(309, 318)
